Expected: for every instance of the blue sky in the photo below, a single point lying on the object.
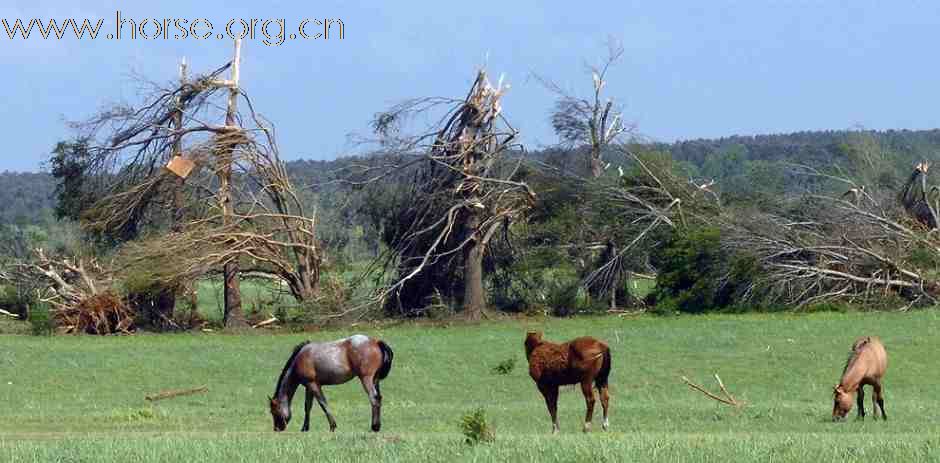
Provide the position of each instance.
(691, 69)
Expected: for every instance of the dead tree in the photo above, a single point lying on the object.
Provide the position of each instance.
(241, 208)
(590, 122)
(463, 196)
(269, 231)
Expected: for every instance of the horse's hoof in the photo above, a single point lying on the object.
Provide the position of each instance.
(587, 427)
(606, 425)
(376, 427)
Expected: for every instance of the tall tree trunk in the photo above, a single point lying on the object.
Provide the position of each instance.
(474, 299)
(233, 316)
(615, 283)
(597, 166)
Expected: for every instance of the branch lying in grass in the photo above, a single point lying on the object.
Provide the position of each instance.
(728, 399)
(176, 393)
(267, 322)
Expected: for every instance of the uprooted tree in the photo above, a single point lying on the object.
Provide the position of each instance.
(463, 196)
(77, 291)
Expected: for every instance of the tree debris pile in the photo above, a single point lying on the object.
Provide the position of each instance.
(99, 314)
(77, 291)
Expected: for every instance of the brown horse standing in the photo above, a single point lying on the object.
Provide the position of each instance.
(581, 361)
(866, 365)
(314, 365)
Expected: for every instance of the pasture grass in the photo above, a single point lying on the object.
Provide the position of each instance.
(74, 398)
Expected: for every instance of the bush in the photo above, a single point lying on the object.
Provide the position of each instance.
(505, 367)
(40, 320)
(696, 275)
(476, 429)
(15, 301)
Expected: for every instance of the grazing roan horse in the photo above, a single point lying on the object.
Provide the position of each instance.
(866, 365)
(580, 361)
(314, 365)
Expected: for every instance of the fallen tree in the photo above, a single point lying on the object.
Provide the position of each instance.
(77, 291)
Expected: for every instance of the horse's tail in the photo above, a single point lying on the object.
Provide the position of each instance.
(387, 356)
(604, 374)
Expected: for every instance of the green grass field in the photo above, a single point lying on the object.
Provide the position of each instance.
(82, 398)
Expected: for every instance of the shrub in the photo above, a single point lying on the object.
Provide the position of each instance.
(476, 429)
(505, 367)
(688, 271)
(696, 275)
(40, 320)
(15, 301)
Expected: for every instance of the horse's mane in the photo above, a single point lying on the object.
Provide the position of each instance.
(290, 361)
(853, 354)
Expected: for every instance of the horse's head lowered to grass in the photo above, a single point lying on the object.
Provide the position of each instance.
(841, 403)
(279, 413)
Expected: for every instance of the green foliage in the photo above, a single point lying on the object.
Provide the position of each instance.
(475, 428)
(40, 320)
(923, 257)
(14, 301)
(689, 270)
(71, 395)
(67, 165)
(505, 367)
(697, 276)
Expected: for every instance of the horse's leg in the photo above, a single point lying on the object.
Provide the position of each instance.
(880, 400)
(321, 399)
(551, 400)
(605, 401)
(372, 390)
(588, 390)
(308, 403)
(860, 398)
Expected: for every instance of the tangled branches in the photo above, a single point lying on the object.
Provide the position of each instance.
(856, 247)
(462, 196)
(77, 292)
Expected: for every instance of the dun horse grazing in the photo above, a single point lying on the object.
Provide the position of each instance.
(581, 361)
(866, 365)
(314, 365)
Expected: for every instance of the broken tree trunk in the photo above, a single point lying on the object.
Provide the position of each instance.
(474, 295)
(233, 316)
